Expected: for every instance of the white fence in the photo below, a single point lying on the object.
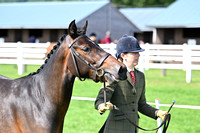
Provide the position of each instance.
(185, 57)
(22, 54)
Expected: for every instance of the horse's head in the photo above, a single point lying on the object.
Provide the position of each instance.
(88, 60)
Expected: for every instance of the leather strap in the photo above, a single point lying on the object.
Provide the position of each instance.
(165, 123)
(102, 60)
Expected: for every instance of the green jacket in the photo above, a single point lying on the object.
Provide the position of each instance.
(127, 97)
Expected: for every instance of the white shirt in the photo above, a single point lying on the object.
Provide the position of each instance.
(130, 69)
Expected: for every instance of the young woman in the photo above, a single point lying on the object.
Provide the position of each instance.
(128, 95)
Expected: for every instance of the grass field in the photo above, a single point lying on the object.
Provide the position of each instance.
(83, 118)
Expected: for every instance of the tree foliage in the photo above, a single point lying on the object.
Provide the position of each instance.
(119, 3)
(142, 3)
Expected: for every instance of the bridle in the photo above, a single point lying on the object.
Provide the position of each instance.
(99, 72)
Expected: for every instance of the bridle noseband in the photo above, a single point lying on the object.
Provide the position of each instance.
(98, 71)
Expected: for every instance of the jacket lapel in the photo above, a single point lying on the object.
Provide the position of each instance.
(131, 82)
(137, 78)
(129, 78)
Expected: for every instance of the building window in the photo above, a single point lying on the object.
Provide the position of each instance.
(35, 32)
(3, 32)
(191, 32)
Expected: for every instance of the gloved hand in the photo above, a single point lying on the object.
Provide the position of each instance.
(102, 107)
(161, 114)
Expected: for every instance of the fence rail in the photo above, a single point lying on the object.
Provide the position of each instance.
(184, 57)
(23, 54)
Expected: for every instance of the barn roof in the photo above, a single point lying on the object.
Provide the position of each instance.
(46, 14)
(180, 14)
(141, 16)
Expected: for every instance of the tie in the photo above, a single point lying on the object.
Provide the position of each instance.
(132, 77)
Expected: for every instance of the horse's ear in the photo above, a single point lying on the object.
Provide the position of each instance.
(85, 27)
(72, 30)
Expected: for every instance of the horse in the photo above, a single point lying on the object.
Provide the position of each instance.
(38, 102)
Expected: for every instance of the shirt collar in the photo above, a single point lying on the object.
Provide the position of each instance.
(130, 69)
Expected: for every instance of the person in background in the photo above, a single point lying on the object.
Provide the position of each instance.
(32, 39)
(115, 41)
(93, 37)
(128, 95)
(141, 42)
(107, 37)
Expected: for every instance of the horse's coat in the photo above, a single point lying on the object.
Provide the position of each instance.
(39, 101)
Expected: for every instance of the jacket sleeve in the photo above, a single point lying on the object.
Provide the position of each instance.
(100, 97)
(145, 108)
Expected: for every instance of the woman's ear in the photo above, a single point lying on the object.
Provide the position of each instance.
(122, 55)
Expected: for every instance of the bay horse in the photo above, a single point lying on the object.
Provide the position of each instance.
(39, 101)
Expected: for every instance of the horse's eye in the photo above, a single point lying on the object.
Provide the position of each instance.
(86, 49)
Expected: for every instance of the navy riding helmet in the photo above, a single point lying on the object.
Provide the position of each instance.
(128, 44)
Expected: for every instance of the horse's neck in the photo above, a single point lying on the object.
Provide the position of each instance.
(58, 80)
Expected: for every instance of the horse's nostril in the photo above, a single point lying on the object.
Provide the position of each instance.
(122, 73)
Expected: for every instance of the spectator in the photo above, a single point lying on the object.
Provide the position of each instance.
(93, 37)
(141, 42)
(107, 37)
(32, 39)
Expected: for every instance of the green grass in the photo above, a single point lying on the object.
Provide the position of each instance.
(83, 118)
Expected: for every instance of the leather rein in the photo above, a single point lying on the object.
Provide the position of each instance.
(165, 123)
(98, 71)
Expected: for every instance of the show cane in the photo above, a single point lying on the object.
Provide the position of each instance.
(171, 105)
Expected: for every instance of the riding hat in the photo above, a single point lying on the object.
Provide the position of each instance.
(128, 44)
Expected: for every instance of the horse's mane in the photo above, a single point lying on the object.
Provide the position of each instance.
(60, 41)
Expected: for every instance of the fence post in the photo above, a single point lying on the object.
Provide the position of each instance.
(159, 121)
(188, 62)
(20, 64)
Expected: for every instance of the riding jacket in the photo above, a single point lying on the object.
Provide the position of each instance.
(130, 99)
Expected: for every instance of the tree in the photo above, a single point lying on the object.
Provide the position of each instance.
(119, 3)
(142, 3)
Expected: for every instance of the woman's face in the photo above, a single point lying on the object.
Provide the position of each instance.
(130, 59)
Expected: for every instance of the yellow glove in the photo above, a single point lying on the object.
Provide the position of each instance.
(102, 107)
(161, 114)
